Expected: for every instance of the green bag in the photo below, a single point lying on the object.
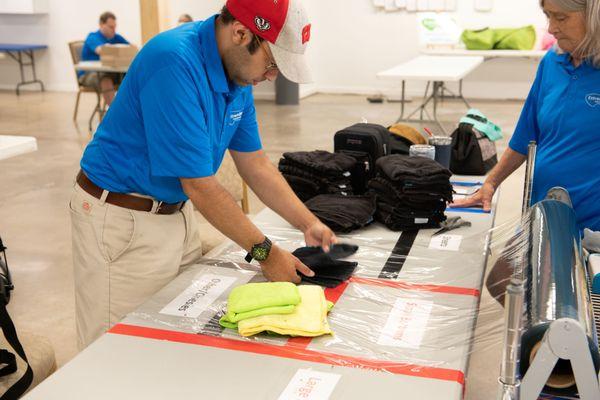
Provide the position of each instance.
(500, 39)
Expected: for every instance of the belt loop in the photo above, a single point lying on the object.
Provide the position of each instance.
(103, 197)
(155, 206)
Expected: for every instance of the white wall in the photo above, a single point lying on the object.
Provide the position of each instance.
(351, 41)
(67, 20)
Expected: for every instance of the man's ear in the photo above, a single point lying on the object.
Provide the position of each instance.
(240, 34)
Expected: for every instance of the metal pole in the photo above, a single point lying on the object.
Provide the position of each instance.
(530, 168)
(513, 312)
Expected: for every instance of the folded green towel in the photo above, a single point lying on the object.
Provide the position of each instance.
(254, 299)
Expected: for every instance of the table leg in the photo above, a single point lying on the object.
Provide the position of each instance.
(18, 57)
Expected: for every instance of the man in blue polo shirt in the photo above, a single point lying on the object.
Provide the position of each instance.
(562, 114)
(106, 34)
(187, 98)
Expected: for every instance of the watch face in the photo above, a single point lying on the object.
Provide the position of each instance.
(260, 253)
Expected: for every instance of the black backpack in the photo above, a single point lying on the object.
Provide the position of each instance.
(10, 333)
(366, 143)
(473, 153)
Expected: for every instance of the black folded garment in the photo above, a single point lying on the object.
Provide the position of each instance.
(329, 270)
(341, 185)
(397, 167)
(305, 189)
(322, 162)
(398, 219)
(392, 194)
(343, 213)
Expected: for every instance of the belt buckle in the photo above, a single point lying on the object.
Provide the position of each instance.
(156, 205)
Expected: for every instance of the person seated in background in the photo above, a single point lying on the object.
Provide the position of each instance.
(106, 34)
(184, 18)
(562, 114)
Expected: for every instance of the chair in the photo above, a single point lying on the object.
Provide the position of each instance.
(75, 48)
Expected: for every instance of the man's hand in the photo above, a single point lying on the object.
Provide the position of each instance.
(281, 266)
(319, 234)
(483, 197)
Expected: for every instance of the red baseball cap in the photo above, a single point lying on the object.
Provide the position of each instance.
(284, 25)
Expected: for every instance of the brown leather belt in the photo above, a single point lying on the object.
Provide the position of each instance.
(127, 200)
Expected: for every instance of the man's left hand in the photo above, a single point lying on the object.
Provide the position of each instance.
(319, 234)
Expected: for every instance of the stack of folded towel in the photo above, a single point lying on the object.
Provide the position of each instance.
(310, 173)
(277, 307)
(411, 192)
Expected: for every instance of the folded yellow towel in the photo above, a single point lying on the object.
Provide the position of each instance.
(254, 299)
(308, 319)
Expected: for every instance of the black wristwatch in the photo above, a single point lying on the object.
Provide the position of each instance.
(260, 251)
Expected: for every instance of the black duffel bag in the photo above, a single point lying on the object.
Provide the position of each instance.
(8, 359)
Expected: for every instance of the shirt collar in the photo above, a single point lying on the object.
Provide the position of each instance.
(212, 58)
(565, 60)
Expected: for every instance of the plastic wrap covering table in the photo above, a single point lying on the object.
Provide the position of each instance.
(403, 328)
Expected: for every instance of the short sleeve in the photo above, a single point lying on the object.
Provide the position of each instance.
(177, 137)
(528, 128)
(93, 41)
(121, 39)
(246, 138)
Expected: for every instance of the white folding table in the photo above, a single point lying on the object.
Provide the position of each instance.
(487, 54)
(436, 71)
(403, 325)
(11, 146)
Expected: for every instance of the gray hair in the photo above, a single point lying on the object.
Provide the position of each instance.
(589, 48)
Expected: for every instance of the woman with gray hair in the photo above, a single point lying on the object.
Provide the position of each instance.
(562, 114)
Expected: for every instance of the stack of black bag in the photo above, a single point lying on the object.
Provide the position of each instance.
(311, 173)
(411, 192)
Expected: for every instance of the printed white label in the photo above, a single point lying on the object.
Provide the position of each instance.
(445, 242)
(421, 220)
(406, 324)
(307, 384)
(198, 296)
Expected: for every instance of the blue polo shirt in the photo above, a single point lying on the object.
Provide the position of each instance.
(92, 41)
(95, 39)
(562, 114)
(174, 116)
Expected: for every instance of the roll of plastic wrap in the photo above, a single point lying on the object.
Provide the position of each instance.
(557, 287)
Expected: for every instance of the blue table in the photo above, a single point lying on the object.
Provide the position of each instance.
(19, 53)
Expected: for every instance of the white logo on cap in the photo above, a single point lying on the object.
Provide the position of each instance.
(262, 24)
(593, 99)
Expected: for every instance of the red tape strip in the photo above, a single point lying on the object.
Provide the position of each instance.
(290, 351)
(417, 286)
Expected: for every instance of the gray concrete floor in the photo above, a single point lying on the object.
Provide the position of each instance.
(34, 191)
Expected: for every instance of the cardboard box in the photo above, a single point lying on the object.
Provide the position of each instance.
(117, 55)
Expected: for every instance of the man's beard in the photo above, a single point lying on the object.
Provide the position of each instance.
(233, 61)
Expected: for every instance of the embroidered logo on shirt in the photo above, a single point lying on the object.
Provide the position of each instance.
(235, 117)
(593, 99)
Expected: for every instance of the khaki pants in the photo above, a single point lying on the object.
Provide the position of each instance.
(121, 257)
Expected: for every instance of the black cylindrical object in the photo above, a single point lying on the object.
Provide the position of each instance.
(557, 288)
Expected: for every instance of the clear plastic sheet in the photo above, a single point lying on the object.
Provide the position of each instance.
(410, 308)
(413, 300)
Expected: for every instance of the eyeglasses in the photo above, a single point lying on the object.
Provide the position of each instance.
(271, 66)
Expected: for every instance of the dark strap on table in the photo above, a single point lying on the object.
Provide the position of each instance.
(126, 200)
(396, 260)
